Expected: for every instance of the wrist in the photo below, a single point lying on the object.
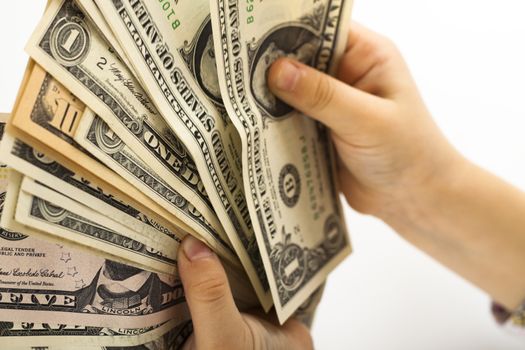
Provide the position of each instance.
(470, 221)
(419, 207)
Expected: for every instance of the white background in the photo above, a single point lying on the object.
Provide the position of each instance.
(468, 57)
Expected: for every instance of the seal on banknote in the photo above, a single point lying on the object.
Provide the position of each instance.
(292, 267)
(49, 212)
(294, 41)
(70, 41)
(10, 235)
(108, 141)
(289, 185)
(334, 234)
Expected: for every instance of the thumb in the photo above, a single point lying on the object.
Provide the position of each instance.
(216, 320)
(328, 100)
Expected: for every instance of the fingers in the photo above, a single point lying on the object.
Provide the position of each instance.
(216, 319)
(373, 63)
(361, 54)
(330, 101)
(290, 336)
(299, 334)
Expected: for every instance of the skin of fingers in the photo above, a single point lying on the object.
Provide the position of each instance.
(217, 322)
(264, 335)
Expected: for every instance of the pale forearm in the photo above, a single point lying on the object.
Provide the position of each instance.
(474, 223)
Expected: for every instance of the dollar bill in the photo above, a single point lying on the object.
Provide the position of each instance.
(171, 49)
(34, 272)
(37, 189)
(242, 291)
(33, 163)
(9, 224)
(46, 336)
(103, 82)
(55, 116)
(38, 213)
(91, 10)
(287, 157)
(95, 136)
(48, 119)
(30, 162)
(48, 282)
(168, 245)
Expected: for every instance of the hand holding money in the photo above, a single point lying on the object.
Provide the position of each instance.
(216, 320)
(394, 163)
(371, 106)
(141, 125)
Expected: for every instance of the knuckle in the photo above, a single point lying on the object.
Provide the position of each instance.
(381, 49)
(381, 56)
(323, 95)
(388, 49)
(368, 48)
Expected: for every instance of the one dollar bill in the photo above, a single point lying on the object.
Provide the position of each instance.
(287, 158)
(52, 116)
(50, 195)
(47, 122)
(30, 162)
(47, 282)
(55, 220)
(172, 51)
(103, 82)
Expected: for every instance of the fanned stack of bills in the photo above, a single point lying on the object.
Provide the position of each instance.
(139, 122)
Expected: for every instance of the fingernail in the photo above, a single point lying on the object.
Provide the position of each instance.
(287, 77)
(195, 249)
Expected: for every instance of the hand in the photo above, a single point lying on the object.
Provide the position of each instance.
(394, 163)
(217, 322)
(388, 145)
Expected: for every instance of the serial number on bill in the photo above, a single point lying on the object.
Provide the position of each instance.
(250, 8)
